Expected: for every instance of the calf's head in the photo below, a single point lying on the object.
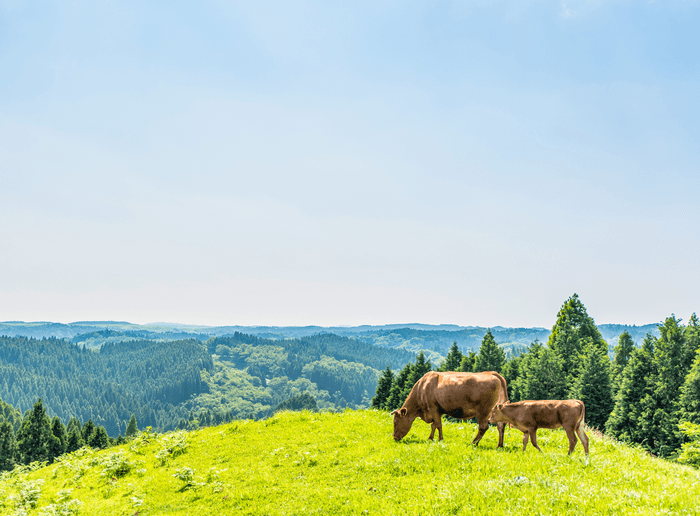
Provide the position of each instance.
(497, 415)
(402, 423)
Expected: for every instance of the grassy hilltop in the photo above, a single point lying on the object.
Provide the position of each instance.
(347, 463)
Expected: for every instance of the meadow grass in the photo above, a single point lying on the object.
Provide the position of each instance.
(348, 463)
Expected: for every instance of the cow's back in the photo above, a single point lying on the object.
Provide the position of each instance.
(458, 394)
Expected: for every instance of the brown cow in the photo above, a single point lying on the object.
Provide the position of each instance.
(460, 395)
(528, 416)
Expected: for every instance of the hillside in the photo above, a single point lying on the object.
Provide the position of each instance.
(347, 463)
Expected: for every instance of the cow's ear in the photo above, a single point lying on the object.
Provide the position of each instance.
(394, 412)
(403, 411)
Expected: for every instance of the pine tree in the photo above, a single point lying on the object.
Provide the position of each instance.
(491, 357)
(87, 431)
(511, 372)
(661, 409)
(624, 422)
(75, 440)
(397, 387)
(131, 428)
(623, 351)
(73, 423)
(690, 394)
(58, 446)
(691, 335)
(593, 387)
(418, 370)
(453, 359)
(99, 438)
(543, 377)
(573, 332)
(8, 446)
(383, 389)
(35, 439)
(468, 363)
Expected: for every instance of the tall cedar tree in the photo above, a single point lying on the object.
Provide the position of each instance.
(692, 342)
(468, 363)
(383, 389)
(491, 357)
(59, 445)
(73, 423)
(99, 438)
(453, 359)
(395, 400)
(87, 431)
(419, 368)
(541, 376)
(661, 409)
(75, 440)
(571, 334)
(35, 438)
(623, 351)
(624, 422)
(690, 394)
(511, 372)
(131, 428)
(593, 387)
(8, 446)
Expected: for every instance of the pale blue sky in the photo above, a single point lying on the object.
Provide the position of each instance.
(292, 163)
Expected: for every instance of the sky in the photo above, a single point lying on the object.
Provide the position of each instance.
(328, 163)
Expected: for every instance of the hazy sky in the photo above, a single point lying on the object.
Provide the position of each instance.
(294, 163)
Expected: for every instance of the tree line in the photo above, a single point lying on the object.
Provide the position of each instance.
(36, 437)
(642, 395)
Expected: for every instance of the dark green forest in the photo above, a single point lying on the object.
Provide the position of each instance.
(643, 395)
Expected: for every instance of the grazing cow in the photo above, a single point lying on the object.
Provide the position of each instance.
(460, 395)
(528, 416)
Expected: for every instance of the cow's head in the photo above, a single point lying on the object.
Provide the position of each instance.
(402, 423)
(497, 413)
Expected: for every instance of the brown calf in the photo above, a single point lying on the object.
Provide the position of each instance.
(528, 416)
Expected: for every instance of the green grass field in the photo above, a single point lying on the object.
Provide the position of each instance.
(348, 463)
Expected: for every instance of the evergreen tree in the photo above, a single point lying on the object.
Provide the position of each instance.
(593, 387)
(661, 409)
(87, 431)
(541, 376)
(690, 394)
(491, 357)
(131, 428)
(35, 438)
(573, 332)
(511, 372)
(383, 389)
(453, 359)
(8, 446)
(75, 440)
(623, 351)
(468, 363)
(73, 423)
(99, 438)
(691, 335)
(304, 401)
(59, 445)
(624, 422)
(397, 387)
(418, 370)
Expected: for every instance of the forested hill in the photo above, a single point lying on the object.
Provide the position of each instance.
(146, 378)
(188, 382)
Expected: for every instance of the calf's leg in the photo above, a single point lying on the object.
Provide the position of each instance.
(533, 438)
(572, 438)
(501, 427)
(584, 438)
(526, 437)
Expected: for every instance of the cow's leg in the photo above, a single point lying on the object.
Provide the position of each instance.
(501, 428)
(572, 438)
(436, 425)
(526, 437)
(483, 426)
(533, 438)
(583, 437)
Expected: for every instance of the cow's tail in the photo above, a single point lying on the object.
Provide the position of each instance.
(503, 396)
